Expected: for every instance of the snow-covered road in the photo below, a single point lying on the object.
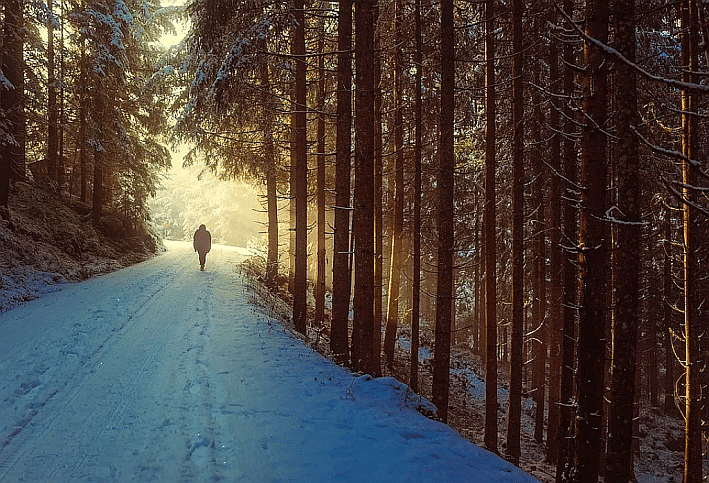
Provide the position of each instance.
(160, 372)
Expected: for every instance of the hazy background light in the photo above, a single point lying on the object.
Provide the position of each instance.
(181, 27)
(190, 196)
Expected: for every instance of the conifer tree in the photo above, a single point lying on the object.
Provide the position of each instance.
(341, 274)
(690, 219)
(363, 216)
(515, 394)
(592, 251)
(619, 452)
(490, 234)
(444, 292)
(416, 285)
(397, 232)
(300, 149)
(12, 101)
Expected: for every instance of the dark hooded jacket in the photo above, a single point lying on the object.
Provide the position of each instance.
(202, 240)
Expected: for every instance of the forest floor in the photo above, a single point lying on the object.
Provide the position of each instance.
(50, 239)
(659, 458)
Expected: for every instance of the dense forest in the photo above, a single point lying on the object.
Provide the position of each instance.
(526, 178)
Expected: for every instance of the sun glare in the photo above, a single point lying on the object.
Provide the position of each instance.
(169, 39)
(191, 196)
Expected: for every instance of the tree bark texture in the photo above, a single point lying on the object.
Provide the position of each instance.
(341, 277)
(514, 419)
(669, 316)
(619, 452)
(12, 100)
(378, 202)
(593, 263)
(98, 111)
(292, 196)
(300, 282)
(272, 208)
(397, 233)
(692, 330)
(363, 223)
(539, 271)
(444, 293)
(416, 286)
(83, 123)
(555, 334)
(321, 159)
(569, 269)
(490, 437)
(53, 112)
(271, 182)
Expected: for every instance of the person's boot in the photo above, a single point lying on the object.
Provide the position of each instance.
(201, 267)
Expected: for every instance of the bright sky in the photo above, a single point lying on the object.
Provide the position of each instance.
(169, 40)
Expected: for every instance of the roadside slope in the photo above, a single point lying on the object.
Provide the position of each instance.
(50, 240)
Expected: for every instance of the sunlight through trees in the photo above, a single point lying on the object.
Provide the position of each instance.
(519, 185)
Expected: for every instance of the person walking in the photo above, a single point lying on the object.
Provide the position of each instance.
(202, 244)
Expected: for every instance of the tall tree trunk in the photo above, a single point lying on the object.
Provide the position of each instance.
(321, 159)
(363, 222)
(98, 111)
(378, 200)
(61, 167)
(540, 340)
(300, 282)
(12, 101)
(396, 236)
(444, 293)
(514, 419)
(670, 407)
(83, 122)
(341, 278)
(555, 308)
(619, 452)
(692, 329)
(416, 288)
(592, 251)
(569, 270)
(651, 313)
(53, 113)
(272, 208)
(292, 188)
(271, 184)
(611, 273)
(490, 436)
(479, 330)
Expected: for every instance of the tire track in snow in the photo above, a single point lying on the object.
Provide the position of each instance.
(147, 389)
(106, 414)
(150, 348)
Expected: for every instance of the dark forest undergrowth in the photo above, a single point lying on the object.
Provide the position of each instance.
(51, 239)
